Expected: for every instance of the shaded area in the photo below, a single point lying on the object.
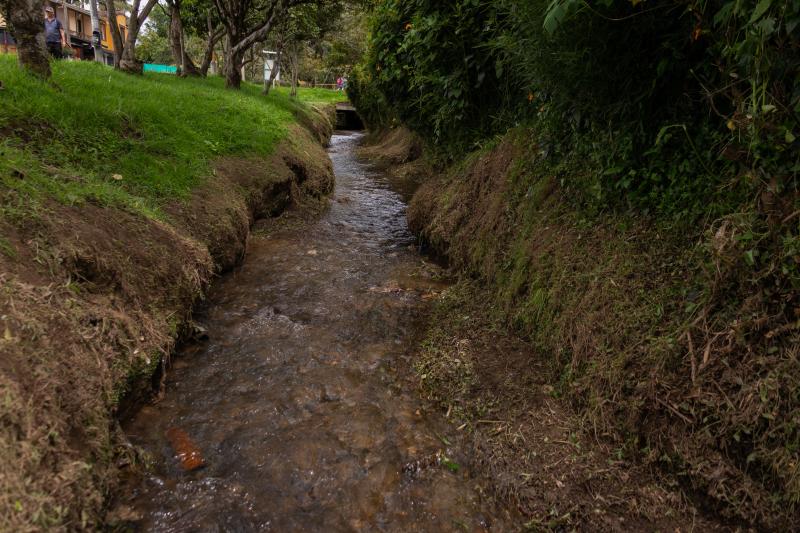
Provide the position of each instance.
(347, 118)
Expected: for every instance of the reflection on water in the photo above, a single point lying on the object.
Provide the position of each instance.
(293, 401)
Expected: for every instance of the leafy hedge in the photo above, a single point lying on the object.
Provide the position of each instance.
(684, 108)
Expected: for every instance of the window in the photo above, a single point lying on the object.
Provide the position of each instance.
(79, 24)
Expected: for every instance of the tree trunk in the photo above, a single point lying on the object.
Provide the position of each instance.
(128, 62)
(116, 36)
(214, 35)
(125, 51)
(26, 18)
(241, 35)
(233, 66)
(179, 54)
(294, 60)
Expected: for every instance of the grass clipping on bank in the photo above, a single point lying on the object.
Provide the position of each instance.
(115, 193)
(681, 344)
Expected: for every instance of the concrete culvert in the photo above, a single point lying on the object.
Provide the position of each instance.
(347, 117)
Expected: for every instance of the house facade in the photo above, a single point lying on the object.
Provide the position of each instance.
(77, 23)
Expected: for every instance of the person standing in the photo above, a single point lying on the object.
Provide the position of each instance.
(54, 34)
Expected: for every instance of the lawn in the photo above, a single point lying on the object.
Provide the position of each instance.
(133, 141)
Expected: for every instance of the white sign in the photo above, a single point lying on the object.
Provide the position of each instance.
(269, 64)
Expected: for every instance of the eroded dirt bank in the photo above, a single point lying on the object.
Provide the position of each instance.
(606, 373)
(92, 302)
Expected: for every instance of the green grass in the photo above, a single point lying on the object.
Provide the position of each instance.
(315, 96)
(67, 139)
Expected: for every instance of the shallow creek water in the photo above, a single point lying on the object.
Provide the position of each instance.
(295, 401)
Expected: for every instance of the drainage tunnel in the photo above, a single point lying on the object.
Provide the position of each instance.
(347, 118)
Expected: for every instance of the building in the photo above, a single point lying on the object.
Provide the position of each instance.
(77, 23)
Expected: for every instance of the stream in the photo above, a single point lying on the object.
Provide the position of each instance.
(296, 412)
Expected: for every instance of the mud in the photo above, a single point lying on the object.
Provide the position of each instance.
(297, 402)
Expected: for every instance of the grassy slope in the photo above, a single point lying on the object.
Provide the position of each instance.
(114, 265)
(666, 338)
(94, 123)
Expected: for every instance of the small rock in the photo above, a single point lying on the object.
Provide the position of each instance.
(117, 177)
(186, 451)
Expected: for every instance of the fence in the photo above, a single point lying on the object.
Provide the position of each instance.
(160, 69)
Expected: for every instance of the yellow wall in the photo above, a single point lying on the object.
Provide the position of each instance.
(105, 31)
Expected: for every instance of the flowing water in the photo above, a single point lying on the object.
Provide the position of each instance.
(295, 403)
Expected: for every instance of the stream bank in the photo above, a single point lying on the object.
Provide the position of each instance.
(94, 299)
(510, 350)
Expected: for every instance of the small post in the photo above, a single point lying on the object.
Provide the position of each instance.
(66, 28)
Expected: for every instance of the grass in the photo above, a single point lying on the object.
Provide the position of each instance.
(681, 343)
(73, 138)
(314, 95)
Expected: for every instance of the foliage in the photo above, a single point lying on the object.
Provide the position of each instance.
(682, 108)
(429, 59)
(154, 48)
(370, 102)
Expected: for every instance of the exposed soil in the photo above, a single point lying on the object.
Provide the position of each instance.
(92, 300)
(390, 149)
(540, 456)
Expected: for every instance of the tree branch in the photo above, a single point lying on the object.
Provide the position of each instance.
(141, 17)
(260, 32)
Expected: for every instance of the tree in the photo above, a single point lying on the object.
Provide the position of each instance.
(302, 30)
(199, 18)
(26, 18)
(176, 39)
(125, 45)
(247, 22)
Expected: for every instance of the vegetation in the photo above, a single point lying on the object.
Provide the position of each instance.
(631, 196)
(728, 70)
(135, 142)
(120, 198)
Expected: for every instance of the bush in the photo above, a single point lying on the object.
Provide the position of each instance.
(681, 108)
(370, 102)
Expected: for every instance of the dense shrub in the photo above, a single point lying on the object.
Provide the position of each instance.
(671, 104)
(371, 104)
(431, 62)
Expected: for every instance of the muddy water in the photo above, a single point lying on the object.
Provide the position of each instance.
(295, 401)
